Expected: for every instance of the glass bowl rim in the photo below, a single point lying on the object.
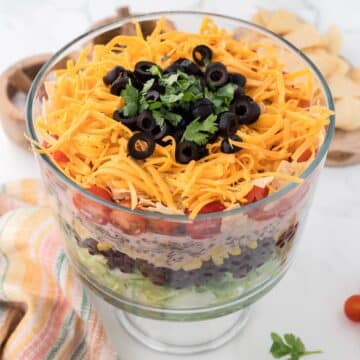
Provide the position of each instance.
(182, 218)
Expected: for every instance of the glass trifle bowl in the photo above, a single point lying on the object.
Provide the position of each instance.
(178, 284)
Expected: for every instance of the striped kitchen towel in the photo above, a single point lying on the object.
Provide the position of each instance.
(44, 311)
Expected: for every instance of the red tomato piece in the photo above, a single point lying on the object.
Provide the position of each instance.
(304, 103)
(45, 144)
(282, 206)
(96, 212)
(305, 156)
(100, 192)
(165, 227)
(257, 193)
(201, 229)
(352, 308)
(130, 224)
(215, 206)
(60, 157)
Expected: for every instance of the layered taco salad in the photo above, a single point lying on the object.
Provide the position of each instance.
(186, 124)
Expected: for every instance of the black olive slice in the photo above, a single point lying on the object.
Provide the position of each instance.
(112, 75)
(142, 70)
(247, 110)
(159, 132)
(201, 108)
(237, 79)
(216, 75)
(141, 145)
(152, 95)
(186, 151)
(227, 148)
(129, 122)
(202, 54)
(118, 85)
(145, 121)
(228, 123)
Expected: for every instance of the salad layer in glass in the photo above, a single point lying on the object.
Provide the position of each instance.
(163, 154)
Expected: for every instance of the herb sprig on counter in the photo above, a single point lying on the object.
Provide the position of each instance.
(290, 345)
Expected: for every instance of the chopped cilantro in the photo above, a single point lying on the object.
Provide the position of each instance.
(162, 114)
(155, 105)
(199, 131)
(222, 98)
(147, 86)
(171, 98)
(159, 118)
(131, 97)
(173, 118)
(155, 70)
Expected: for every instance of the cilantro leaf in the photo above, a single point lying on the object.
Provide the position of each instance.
(199, 131)
(155, 70)
(173, 118)
(171, 98)
(295, 342)
(143, 104)
(131, 97)
(162, 114)
(222, 97)
(159, 118)
(226, 92)
(147, 86)
(155, 105)
(192, 93)
(169, 81)
(180, 90)
(290, 345)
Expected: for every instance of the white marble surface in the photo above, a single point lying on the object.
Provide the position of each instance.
(309, 300)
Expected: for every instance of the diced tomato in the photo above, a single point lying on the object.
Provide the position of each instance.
(60, 157)
(130, 224)
(257, 193)
(215, 206)
(282, 206)
(100, 192)
(305, 156)
(45, 144)
(304, 103)
(96, 212)
(165, 227)
(201, 229)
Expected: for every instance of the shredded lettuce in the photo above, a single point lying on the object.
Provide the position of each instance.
(140, 289)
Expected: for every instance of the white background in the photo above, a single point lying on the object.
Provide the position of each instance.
(309, 300)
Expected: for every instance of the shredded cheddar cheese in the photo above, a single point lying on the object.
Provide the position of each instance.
(77, 120)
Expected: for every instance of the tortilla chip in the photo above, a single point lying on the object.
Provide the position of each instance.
(347, 113)
(304, 36)
(289, 168)
(343, 66)
(355, 74)
(283, 22)
(262, 182)
(326, 62)
(343, 86)
(262, 17)
(334, 40)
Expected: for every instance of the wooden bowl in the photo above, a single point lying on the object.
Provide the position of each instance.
(17, 79)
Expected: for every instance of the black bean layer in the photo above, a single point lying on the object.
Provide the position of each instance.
(238, 265)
